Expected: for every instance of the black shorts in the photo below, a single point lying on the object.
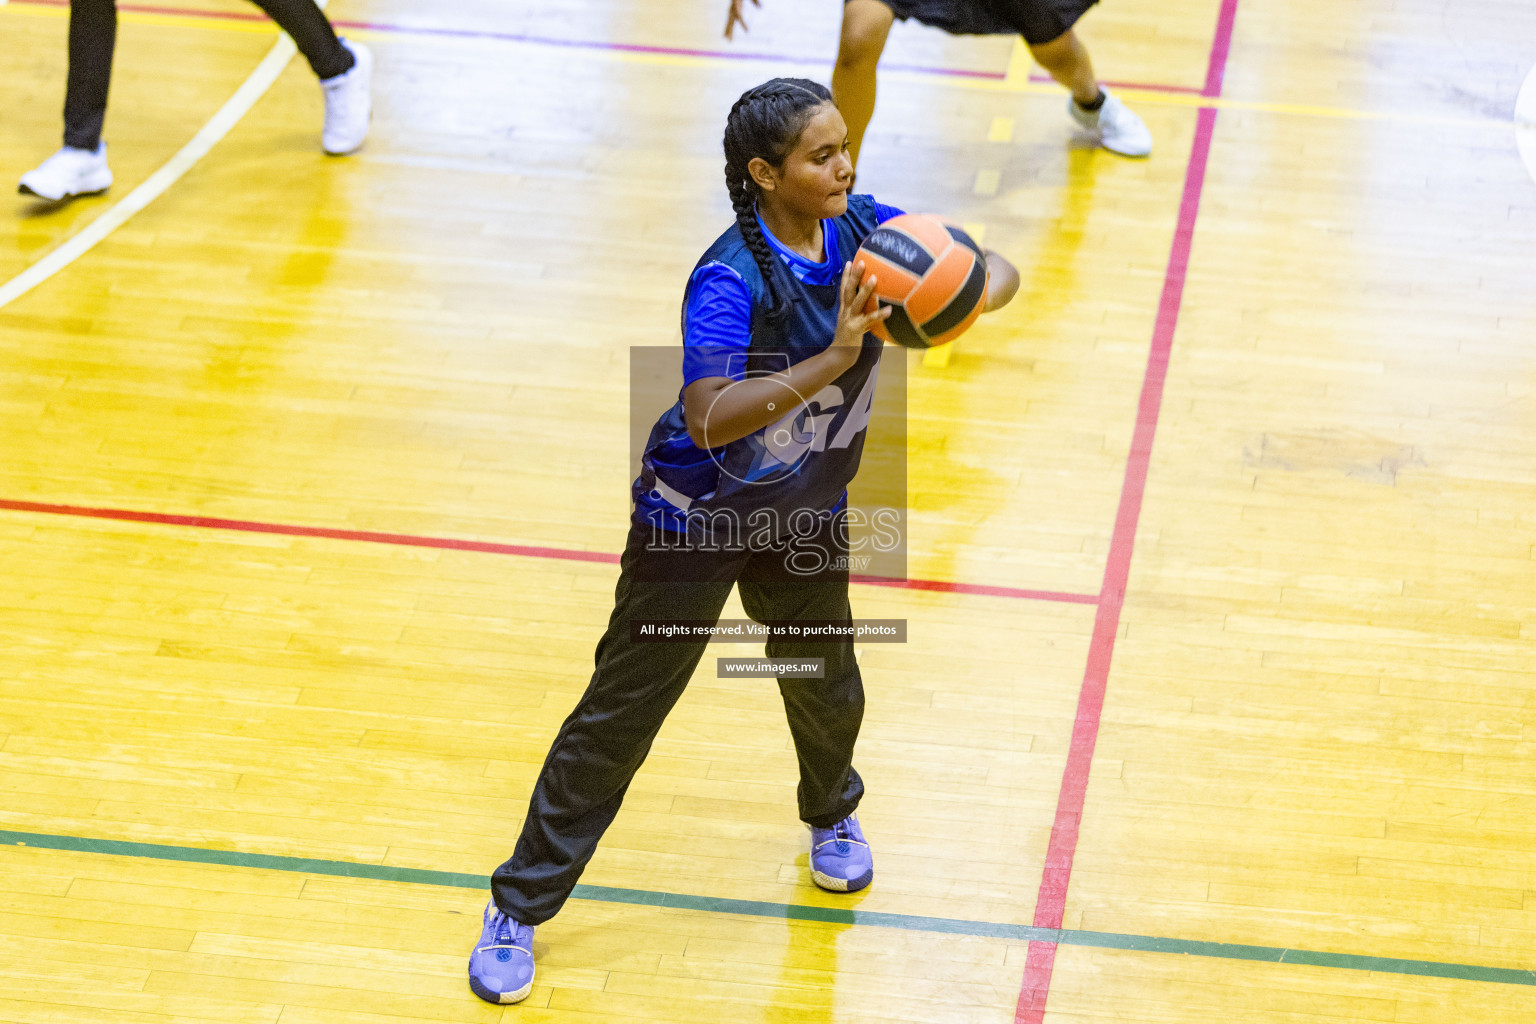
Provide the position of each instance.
(1038, 21)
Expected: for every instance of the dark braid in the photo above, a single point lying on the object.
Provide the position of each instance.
(766, 122)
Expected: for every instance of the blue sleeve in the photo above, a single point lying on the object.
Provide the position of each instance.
(884, 213)
(717, 324)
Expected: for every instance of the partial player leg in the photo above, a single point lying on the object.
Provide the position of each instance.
(596, 754)
(1119, 129)
(1066, 59)
(311, 33)
(80, 168)
(824, 714)
(92, 40)
(866, 23)
(345, 70)
(607, 736)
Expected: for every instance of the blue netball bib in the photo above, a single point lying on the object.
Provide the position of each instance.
(801, 464)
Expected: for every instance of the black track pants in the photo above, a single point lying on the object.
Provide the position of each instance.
(93, 36)
(606, 738)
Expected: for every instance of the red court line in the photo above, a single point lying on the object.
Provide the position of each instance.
(1221, 47)
(598, 44)
(247, 526)
(489, 547)
(978, 589)
(1143, 86)
(524, 37)
(1051, 902)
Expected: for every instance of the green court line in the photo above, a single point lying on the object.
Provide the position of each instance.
(789, 911)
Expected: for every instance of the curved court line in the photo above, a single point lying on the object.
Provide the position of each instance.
(490, 547)
(787, 911)
(1525, 122)
(155, 185)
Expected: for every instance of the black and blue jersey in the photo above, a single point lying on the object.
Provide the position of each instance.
(801, 462)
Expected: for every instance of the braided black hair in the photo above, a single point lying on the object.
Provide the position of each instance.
(765, 122)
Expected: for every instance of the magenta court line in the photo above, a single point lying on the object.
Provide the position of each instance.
(1188, 90)
(1051, 902)
(599, 44)
(490, 547)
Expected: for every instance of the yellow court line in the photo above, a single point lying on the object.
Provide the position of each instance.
(1015, 81)
(1020, 62)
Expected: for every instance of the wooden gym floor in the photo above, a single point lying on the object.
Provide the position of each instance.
(314, 471)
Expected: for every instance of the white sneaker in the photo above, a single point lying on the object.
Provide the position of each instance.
(348, 103)
(1118, 127)
(69, 172)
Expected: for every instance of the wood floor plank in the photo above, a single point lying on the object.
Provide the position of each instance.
(1314, 734)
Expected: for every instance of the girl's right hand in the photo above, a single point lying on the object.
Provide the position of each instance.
(852, 322)
(733, 17)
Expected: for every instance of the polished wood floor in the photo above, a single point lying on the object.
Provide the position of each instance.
(1313, 733)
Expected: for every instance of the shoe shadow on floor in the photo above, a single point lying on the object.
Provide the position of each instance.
(34, 205)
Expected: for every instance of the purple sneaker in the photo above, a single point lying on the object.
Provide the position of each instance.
(840, 858)
(501, 967)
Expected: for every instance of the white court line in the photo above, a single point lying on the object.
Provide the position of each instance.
(1525, 122)
(155, 185)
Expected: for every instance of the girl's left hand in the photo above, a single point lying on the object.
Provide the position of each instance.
(1002, 282)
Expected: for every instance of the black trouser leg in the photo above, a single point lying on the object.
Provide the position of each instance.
(606, 738)
(92, 36)
(311, 33)
(824, 714)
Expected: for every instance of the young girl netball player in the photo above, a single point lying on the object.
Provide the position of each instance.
(80, 168)
(773, 311)
(1046, 26)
